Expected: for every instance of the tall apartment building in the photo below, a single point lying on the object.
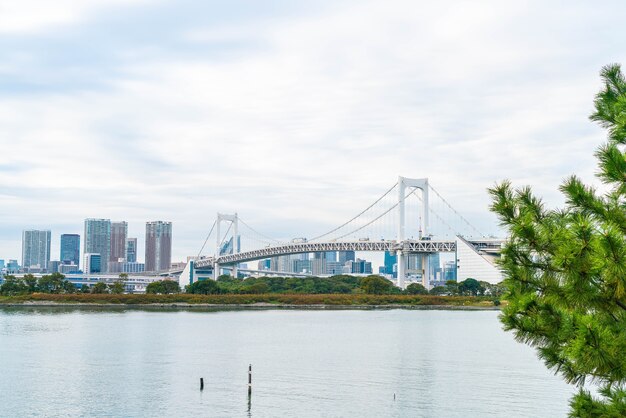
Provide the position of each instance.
(70, 249)
(130, 254)
(35, 250)
(158, 246)
(98, 240)
(119, 231)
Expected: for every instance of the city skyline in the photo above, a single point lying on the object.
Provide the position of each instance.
(171, 123)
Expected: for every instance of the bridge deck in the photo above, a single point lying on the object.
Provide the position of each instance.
(408, 246)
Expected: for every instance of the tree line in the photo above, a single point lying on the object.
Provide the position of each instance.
(56, 283)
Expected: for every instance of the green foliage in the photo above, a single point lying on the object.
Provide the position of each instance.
(51, 283)
(354, 299)
(416, 289)
(163, 287)
(204, 287)
(566, 269)
(376, 285)
(470, 287)
(439, 290)
(99, 288)
(117, 288)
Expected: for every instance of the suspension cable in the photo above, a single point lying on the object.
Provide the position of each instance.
(455, 211)
(346, 223)
(207, 238)
(377, 218)
(223, 239)
(257, 232)
(435, 213)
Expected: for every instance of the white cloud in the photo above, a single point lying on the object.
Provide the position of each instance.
(307, 126)
(28, 16)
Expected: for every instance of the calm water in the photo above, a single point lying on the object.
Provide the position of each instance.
(64, 362)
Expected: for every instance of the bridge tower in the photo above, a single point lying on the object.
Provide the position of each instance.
(421, 184)
(234, 220)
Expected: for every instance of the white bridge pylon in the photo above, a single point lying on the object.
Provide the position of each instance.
(422, 184)
(234, 224)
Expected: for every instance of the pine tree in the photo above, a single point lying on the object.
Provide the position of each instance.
(565, 269)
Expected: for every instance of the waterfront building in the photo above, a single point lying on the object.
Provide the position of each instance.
(12, 267)
(333, 267)
(53, 266)
(92, 263)
(68, 268)
(158, 246)
(128, 267)
(130, 254)
(119, 231)
(98, 240)
(35, 250)
(70, 249)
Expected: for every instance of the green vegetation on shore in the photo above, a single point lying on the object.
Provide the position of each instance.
(336, 290)
(248, 299)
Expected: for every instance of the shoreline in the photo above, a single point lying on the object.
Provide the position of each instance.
(243, 306)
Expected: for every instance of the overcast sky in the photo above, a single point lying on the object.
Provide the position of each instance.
(294, 114)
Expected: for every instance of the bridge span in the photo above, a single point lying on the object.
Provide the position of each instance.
(407, 247)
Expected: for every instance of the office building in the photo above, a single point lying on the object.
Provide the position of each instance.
(360, 266)
(390, 264)
(343, 256)
(70, 249)
(98, 240)
(318, 265)
(53, 266)
(68, 268)
(92, 263)
(12, 267)
(227, 247)
(264, 264)
(334, 267)
(35, 250)
(131, 250)
(119, 231)
(158, 246)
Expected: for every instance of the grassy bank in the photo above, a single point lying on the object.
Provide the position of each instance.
(271, 298)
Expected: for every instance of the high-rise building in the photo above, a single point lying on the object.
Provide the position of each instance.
(390, 264)
(361, 267)
(92, 263)
(343, 256)
(119, 231)
(35, 250)
(70, 249)
(131, 250)
(98, 240)
(12, 267)
(158, 246)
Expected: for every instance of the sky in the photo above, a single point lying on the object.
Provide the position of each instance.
(295, 115)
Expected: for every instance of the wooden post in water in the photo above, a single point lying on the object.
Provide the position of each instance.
(249, 380)
(201, 383)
